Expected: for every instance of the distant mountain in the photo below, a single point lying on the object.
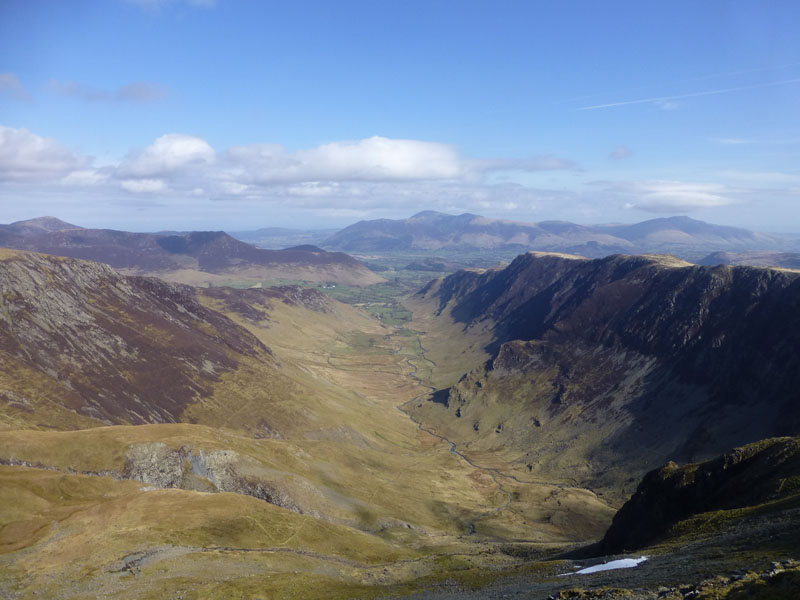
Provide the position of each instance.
(606, 368)
(280, 237)
(195, 257)
(780, 260)
(38, 225)
(434, 231)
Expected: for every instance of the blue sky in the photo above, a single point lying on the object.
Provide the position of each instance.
(232, 114)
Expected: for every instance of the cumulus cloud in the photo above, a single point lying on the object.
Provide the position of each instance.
(372, 174)
(671, 196)
(371, 159)
(621, 152)
(141, 92)
(11, 86)
(169, 154)
(25, 156)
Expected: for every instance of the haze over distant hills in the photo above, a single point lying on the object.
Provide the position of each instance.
(194, 257)
(430, 231)
(281, 237)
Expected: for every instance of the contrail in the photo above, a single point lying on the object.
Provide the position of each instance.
(692, 95)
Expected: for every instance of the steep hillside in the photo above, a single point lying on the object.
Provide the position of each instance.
(83, 345)
(433, 231)
(760, 476)
(604, 369)
(194, 258)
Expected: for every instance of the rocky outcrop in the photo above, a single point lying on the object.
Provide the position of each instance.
(188, 468)
(752, 475)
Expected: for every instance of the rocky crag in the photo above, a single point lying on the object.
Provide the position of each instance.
(605, 369)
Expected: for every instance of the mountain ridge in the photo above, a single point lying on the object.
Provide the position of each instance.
(602, 367)
(177, 256)
(431, 230)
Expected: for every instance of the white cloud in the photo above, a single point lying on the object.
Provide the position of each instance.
(27, 156)
(10, 85)
(367, 176)
(670, 196)
(169, 154)
(141, 92)
(371, 159)
(143, 185)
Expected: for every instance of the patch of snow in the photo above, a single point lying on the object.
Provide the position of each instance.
(623, 563)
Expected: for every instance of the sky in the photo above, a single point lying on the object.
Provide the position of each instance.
(147, 115)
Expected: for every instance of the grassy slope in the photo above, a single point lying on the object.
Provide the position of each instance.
(384, 491)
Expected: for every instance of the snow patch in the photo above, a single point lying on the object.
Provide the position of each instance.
(623, 563)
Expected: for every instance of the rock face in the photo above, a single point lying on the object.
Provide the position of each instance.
(606, 368)
(213, 252)
(114, 349)
(752, 475)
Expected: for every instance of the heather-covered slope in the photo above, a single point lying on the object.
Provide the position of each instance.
(83, 345)
(603, 369)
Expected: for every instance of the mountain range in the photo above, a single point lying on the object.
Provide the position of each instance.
(431, 231)
(195, 257)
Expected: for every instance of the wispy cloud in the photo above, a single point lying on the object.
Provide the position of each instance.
(735, 141)
(141, 92)
(621, 152)
(668, 102)
(10, 85)
(668, 196)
